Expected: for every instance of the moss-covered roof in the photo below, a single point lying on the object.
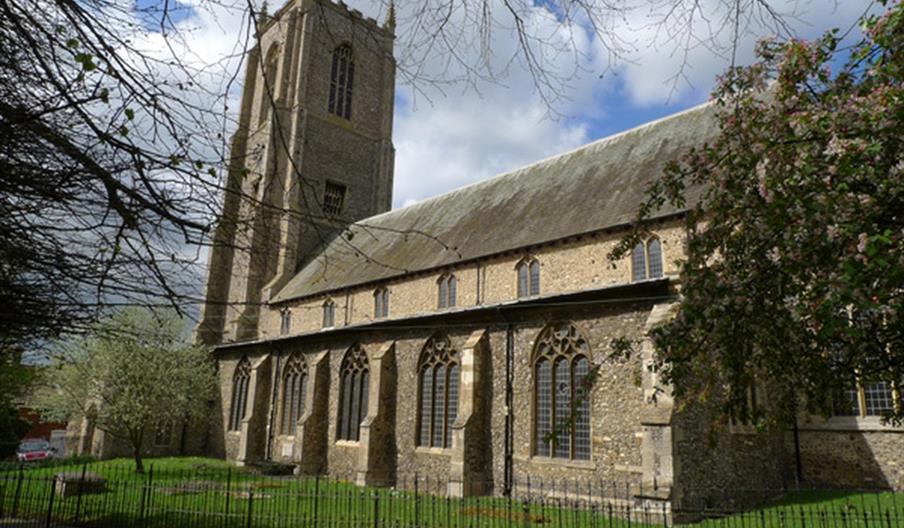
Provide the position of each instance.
(594, 187)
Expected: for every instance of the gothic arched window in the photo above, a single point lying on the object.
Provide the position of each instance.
(353, 387)
(240, 381)
(561, 363)
(447, 285)
(528, 277)
(342, 78)
(329, 313)
(268, 84)
(381, 303)
(294, 384)
(438, 372)
(646, 260)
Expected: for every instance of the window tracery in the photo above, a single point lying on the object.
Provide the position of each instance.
(353, 393)
(240, 381)
(294, 385)
(561, 364)
(439, 373)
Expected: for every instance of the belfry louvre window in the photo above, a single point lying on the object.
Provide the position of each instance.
(646, 260)
(528, 277)
(353, 387)
(294, 384)
(342, 78)
(329, 314)
(561, 363)
(446, 287)
(333, 198)
(240, 381)
(381, 303)
(438, 371)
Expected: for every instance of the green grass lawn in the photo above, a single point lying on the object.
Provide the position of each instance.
(205, 493)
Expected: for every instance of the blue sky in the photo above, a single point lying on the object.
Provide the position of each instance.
(455, 135)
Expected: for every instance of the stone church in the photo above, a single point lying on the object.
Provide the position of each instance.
(452, 338)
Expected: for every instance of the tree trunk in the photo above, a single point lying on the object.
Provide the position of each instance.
(136, 454)
(137, 438)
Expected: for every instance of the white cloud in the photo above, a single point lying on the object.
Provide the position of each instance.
(451, 135)
(650, 76)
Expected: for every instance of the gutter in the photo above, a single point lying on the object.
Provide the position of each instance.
(655, 290)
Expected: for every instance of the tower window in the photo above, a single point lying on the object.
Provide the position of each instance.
(333, 198)
(268, 89)
(381, 303)
(342, 77)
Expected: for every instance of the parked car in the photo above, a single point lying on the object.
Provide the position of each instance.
(35, 449)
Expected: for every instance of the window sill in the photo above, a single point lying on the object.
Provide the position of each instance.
(440, 451)
(561, 462)
(849, 423)
(347, 443)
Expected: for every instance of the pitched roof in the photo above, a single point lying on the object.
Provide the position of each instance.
(594, 187)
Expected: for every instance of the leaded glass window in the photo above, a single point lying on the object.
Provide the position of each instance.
(353, 380)
(294, 384)
(446, 288)
(240, 381)
(654, 258)
(329, 314)
(561, 399)
(381, 303)
(439, 384)
(543, 407)
(638, 263)
(528, 277)
(646, 260)
(285, 322)
(878, 398)
(342, 78)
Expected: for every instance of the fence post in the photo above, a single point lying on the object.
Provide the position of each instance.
(18, 491)
(316, 499)
(417, 505)
(79, 489)
(525, 520)
(50, 504)
(376, 509)
(228, 493)
(250, 507)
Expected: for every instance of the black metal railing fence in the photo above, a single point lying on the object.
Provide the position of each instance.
(115, 496)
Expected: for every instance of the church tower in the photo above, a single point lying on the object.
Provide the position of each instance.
(312, 152)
